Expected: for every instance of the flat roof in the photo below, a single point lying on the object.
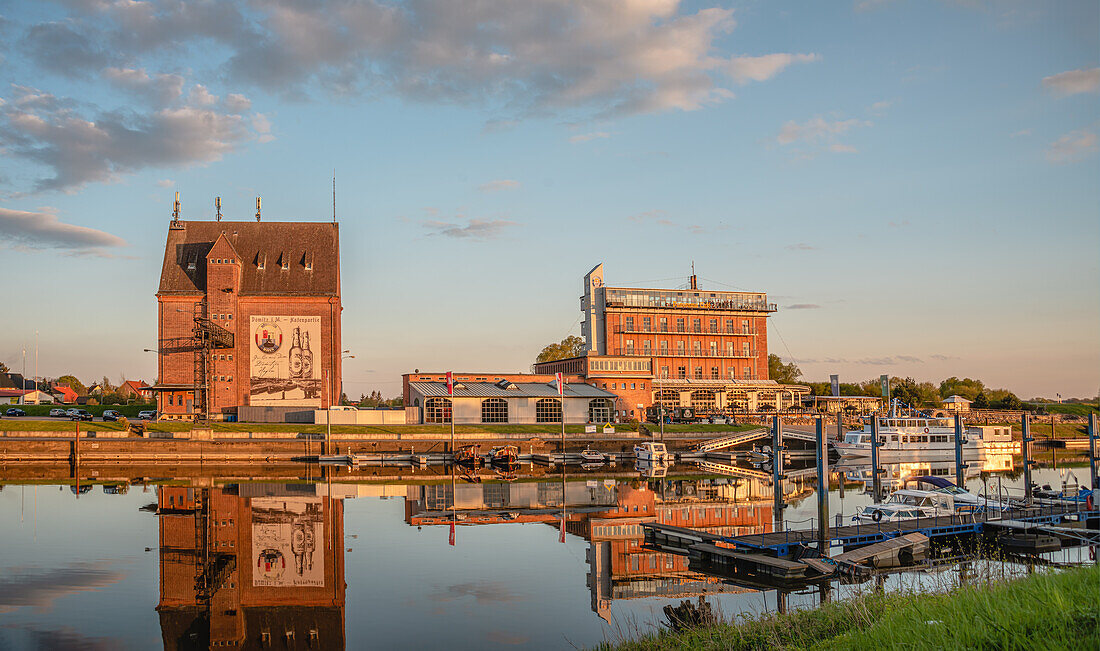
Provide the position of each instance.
(521, 390)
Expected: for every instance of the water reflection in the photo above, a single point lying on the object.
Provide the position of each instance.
(251, 566)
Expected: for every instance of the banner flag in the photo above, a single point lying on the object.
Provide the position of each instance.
(561, 537)
(834, 380)
(450, 384)
(452, 540)
(560, 383)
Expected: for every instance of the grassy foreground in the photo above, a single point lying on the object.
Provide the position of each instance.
(1057, 610)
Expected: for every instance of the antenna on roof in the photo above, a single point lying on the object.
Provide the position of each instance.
(176, 208)
(218, 208)
(694, 284)
(334, 195)
(257, 209)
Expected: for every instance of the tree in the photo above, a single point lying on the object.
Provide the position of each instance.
(980, 401)
(780, 372)
(3, 367)
(966, 387)
(571, 346)
(74, 384)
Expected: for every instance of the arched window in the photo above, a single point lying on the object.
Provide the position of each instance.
(600, 410)
(494, 410)
(667, 397)
(548, 410)
(702, 400)
(437, 410)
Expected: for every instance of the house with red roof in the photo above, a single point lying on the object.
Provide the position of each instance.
(64, 394)
(137, 390)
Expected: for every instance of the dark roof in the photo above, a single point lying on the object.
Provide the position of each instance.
(273, 243)
(521, 390)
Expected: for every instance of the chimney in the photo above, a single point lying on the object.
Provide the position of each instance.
(694, 283)
(257, 209)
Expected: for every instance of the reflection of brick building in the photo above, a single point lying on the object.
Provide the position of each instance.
(221, 275)
(212, 592)
(703, 349)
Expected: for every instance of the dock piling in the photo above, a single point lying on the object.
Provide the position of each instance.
(822, 487)
(1094, 481)
(960, 467)
(876, 478)
(1025, 449)
(777, 470)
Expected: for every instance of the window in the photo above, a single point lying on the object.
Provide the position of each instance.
(664, 347)
(548, 410)
(614, 386)
(664, 372)
(697, 347)
(632, 385)
(664, 324)
(629, 323)
(679, 348)
(679, 325)
(745, 326)
(714, 325)
(647, 323)
(745, 349)
(437, 410)
(748, 373)
(647, 347)
(629, 346)
(714, 373)
(696, 325)
(714, 349)
(729, 348)
(729, 325)
(230, 357)
(600, 410)
(681, 372)
(702, 400)
(494, 410)
(698, 373)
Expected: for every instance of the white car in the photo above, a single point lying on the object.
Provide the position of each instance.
(57, 413)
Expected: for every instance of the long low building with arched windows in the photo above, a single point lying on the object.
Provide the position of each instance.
(503, 398)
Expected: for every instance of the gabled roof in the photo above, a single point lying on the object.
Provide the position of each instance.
(956, 399)
(189, 243)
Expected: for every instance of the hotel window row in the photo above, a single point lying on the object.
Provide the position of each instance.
(713, 326)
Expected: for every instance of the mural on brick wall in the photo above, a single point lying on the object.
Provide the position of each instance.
(285, 361)
(288, 542)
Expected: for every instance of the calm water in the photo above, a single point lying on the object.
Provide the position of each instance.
(99, 571)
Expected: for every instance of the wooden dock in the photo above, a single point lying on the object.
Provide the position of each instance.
(888, 552)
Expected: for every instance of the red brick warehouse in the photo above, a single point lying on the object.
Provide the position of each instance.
(249, 319)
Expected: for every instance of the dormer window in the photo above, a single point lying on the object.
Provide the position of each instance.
(309, 265)
(191, 264)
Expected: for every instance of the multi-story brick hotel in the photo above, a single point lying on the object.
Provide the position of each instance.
(249, 319)
(703, 349)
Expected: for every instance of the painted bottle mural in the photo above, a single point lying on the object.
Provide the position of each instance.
(307, 359)
(296, 354)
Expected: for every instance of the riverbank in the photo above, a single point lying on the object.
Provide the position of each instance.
(1052, 610)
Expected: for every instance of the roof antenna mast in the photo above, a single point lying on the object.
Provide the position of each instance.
(334, 195)
(694, 284)
(257, 209)
(176, 208)
(218, 208)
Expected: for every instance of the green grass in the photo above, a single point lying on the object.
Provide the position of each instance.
(545, 431)
(1077, 409)
(1051, 610)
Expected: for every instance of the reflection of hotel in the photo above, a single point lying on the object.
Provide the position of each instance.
(251, 567)
(249, 317)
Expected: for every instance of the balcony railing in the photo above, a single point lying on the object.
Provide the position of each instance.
(635, 330)
(720, 354)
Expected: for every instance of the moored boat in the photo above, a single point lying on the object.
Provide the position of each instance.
(652, 453)
(592, 456)
(469, 455)
(505, 455)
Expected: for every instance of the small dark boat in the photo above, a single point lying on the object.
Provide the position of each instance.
(1029, 543)
(505, 455)
(469, 455)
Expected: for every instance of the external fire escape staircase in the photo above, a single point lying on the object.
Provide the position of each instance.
(208, 336)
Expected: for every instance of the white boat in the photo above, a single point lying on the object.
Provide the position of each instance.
(652, 453)
(592, 456)
(886, 513)
(910, 437)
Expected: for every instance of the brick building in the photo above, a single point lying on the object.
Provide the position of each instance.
(249, 319)
(706, 350)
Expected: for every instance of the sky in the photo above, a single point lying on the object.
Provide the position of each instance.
(914, 183)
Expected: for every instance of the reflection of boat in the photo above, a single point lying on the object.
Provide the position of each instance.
(592, 456)
(469, 455)
(334, 460)
(505, 455)
(592, 465)
(653, 453)
(651, 470)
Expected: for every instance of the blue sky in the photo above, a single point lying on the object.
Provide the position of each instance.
(914, 183)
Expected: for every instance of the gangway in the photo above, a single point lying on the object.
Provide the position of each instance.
(733, 439)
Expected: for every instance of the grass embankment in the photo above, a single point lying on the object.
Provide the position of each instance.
(1082, 409)
(1057, 610)
(546, 431)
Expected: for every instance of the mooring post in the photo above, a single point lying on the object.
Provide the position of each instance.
(840, 426)
(876, 479)
(1092, 452)
(1025, 449)
(960, 467)
(777, 470)
(822, 488)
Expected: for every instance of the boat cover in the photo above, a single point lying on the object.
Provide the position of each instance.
(938, 482)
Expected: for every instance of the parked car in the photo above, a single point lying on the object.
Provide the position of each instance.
(57, 413)
(80, 414)
(111, 414)
(15, 411)
(70, 411)
(148, 414)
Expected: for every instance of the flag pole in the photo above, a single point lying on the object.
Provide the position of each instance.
(451, 396)
(561, 395)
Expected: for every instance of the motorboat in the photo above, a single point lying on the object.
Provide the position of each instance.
(652, 453)
(592, 456)
(469, 455)
(505, 455)
(887, 513)
(651, 470)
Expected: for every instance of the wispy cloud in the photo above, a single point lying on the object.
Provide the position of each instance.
(39, 588)
(744, 69)
(943, 358)
(1084, 80)
(663, 218)
(802, 306)
(819, 132)
(1072, 147)
(585, 137)
(472, 229)
(498, 185)
(801, 246)
(867, 361)
(166, 183)
(880, 107)
(898, 224)
(43, 230)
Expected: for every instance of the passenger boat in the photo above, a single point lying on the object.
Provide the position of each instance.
(505, 455)
(911, 437)
(652, 453)
(592, 456)
(469, 455)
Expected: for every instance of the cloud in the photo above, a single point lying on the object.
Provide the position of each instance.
(944, 358)
(1072, 147)
(843, 149)
(39, 588)
(898, 224)
(43, 230)
(161, 89)
(166, 183)
(484, 592)
(817, 130)
(802, 306)
(801, 246)
(236, 103)
(1074, 81)
(200, 96)
(880, 107)
(1020, 133)
(474, 229)
(611, 57)
(662, 218)
(89, 144)
(585, 137)
(868, 361)
(498, 185)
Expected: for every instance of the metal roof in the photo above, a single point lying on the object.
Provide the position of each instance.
(522, 390)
